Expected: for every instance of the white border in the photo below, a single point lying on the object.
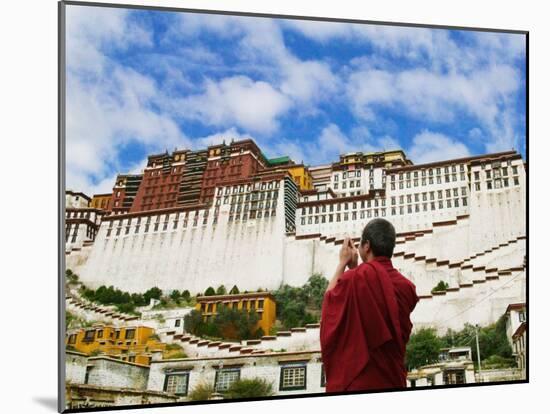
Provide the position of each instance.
(29, 203)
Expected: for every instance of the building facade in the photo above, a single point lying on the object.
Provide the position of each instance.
(129, 343)
(228, 215)
(262, 303)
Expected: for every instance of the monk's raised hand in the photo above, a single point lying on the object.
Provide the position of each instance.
(346, 252)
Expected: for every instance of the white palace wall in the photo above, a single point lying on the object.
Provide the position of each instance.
(257, 253)
(246, 253)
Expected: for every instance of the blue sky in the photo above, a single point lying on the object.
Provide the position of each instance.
(141, 82)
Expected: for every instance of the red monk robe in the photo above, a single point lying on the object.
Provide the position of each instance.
(365, 326)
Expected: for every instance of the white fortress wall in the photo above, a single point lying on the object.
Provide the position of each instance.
(246, 253)
(482, 303)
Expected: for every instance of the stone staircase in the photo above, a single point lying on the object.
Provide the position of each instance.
(296, 339)
(90, 311)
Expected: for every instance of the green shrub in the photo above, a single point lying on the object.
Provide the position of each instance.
(210, 291)
(497, 361)
(175, 355)
(234, 290)
(440, 287)
(202, 392)
(221, 290)
(249, 388)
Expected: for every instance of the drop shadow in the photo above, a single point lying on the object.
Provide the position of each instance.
(48, 402)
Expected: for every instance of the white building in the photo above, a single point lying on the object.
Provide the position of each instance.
(516, 331)
(288, 372)
(460, 221)
(76, 200)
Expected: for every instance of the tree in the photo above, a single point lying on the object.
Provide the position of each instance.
(292, 302)
(249, 388)
(153, 293)
(234, 290)
(210, 291)
(493, 340)
(175, 295)
(423, 348)
(186, 295)
(236, 323)
(192, 322)
(221, 290)
(315, 290)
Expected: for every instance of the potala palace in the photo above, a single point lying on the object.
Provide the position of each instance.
(228, 215)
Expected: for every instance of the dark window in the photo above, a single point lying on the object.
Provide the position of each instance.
(100, 333)
(293, 377)
(130, 333)
(178, 322)
(226, 377)
(177, 383)
(89, 336)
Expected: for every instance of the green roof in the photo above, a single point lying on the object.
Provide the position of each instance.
(279, 160)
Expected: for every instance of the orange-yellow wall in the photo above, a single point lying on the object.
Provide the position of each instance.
(267, 314)
(98, 200)
(140, 344)
(302, 177)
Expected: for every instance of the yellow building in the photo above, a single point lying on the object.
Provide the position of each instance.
(262, 302)
(101, 201)
(302, 177)
(131, 344)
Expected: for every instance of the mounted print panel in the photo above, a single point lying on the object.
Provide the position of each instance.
(262, 207)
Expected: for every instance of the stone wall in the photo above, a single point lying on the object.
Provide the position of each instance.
(267, 366)
(75, 367)
(108, 372)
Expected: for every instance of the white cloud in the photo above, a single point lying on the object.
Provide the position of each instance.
(254, 105)
(109, 107)
(220, 137)
(330, 144)
(429, 146)
(439, 97)
(91, 29)
(260, 43)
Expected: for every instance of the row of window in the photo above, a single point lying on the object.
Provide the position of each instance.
(291, 377)
(497, 183)
(91, 334)
(234, 199)
(78, 214)
(429, 172)
(249, 304)
(448, 193)
(344, 206)
(248, 187)
(496, 173)
(408, 209)
(427, 181)
(357, 184)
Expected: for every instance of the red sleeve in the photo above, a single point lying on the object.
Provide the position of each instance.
(351, 325)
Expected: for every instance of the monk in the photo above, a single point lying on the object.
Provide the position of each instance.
(365, 319)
